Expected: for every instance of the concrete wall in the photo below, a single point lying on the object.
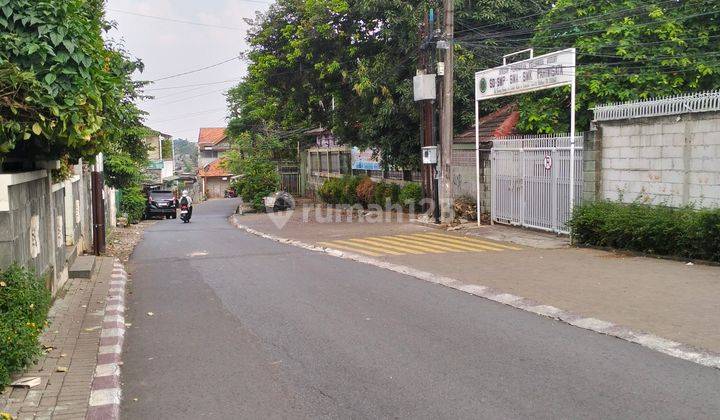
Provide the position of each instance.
(43, 225)
(464, 173)
(26, 234)
(673, 160)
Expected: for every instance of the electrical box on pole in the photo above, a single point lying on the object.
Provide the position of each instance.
(424, 87)
(429, 155)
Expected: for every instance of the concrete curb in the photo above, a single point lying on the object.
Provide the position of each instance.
(651, 341)
(105, 391)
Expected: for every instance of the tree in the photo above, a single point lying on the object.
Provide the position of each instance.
(64, 91)
(348, 65)
(627, 50)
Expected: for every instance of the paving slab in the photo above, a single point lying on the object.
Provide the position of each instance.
(72, 341)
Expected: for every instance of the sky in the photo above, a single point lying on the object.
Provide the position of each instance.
(168, 48)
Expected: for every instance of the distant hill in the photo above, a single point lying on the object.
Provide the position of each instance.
(186, 155)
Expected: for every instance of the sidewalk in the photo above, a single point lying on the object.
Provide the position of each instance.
(667, 298)
(72, 342)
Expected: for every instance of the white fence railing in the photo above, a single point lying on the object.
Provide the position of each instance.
(658, 107)
(531, 181)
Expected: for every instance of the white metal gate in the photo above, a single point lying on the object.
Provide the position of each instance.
(531, 181)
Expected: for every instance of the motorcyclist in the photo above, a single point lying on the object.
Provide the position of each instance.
(186, 199)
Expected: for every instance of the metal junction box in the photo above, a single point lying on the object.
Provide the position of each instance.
(429, 155)
(424, 87)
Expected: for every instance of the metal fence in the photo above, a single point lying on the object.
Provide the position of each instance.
(531, 181)
(657, 107)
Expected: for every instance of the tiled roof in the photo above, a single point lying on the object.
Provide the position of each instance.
(498, 124)
(213, 169)
(211, 135)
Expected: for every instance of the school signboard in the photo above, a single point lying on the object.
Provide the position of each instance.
(537, 73)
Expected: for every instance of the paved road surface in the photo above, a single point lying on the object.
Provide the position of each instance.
(248, 328)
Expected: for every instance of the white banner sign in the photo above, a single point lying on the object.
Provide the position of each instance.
(537, 73)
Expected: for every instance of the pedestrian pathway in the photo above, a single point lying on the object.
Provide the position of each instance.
(417, 244)
(69, 364)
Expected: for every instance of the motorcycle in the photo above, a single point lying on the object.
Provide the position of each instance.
(185, 213)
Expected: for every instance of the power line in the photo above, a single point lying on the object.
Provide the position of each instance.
(195, 85)
(189, 22)
(197, 70)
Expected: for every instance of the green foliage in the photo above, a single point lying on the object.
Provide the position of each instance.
(167, 149)
(349, 192)
(410, 196)
(24, 304)
(348, 65)
(627, 50)
(121, 171)
(258, 179)
(332, 191)
(662, 230)
(386, 194)
(64, 90)
(132, 202)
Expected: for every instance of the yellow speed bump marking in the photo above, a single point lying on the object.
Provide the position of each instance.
(478, 241)
(443, 245)
(333, 245)
(458, 241)
(394, 240)
(383, 246)
(368, 247)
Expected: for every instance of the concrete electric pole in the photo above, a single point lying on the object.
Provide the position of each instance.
(446, 118)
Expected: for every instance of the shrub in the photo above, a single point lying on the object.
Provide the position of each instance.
(132, 202)
(331, 191)
(379, 194)
(24, 304)
(259, 179)
(386, 191)
(349, 193)
(662, 230)
(365, 191)
(411, 195)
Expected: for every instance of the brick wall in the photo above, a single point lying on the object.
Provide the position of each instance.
(672, 160)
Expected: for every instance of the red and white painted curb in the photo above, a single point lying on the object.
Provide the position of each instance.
(105, 392)
(651, 341)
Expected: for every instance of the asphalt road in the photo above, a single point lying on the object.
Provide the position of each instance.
(247, 328)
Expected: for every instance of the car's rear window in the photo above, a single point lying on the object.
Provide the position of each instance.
(161, 195)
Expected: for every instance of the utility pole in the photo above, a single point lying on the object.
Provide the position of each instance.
(446, 118)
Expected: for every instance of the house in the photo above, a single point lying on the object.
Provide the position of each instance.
(213, 143)
(161, 166)
(214, 179)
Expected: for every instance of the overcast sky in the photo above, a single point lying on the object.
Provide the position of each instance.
(168, 48)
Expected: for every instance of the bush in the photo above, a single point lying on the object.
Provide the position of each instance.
(379, 194)
(384, 192)
(331, 191)
(682, 232)
(24, 304)
(132, 202)
(366, 191)
(349, 193)
(259, 179)
(411, 195)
